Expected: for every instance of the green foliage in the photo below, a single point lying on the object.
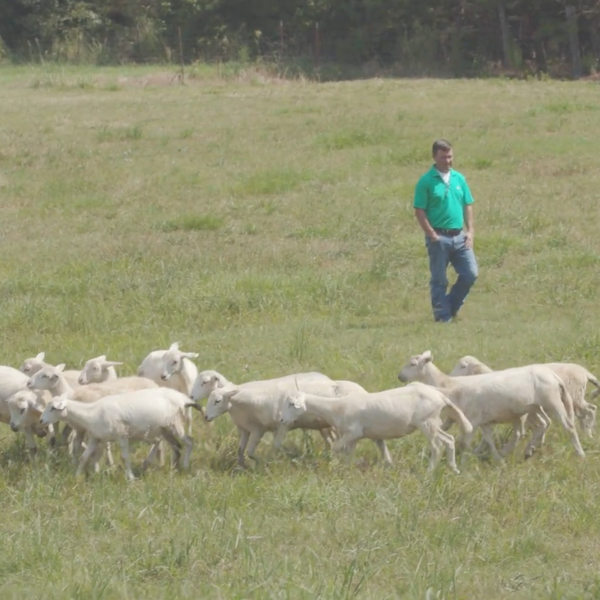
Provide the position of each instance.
(408, 37)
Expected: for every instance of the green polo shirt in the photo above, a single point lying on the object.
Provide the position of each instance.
(443, 204)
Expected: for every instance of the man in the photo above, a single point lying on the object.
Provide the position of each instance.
(443, 207)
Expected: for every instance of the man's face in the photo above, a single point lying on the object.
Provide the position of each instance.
(443, 160)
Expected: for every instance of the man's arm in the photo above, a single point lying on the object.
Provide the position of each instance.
(426, 225)
(469, 225)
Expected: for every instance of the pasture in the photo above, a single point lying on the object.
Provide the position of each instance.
(268, 226)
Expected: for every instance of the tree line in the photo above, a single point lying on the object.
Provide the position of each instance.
(415, 37)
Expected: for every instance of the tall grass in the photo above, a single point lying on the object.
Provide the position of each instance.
(268, 226)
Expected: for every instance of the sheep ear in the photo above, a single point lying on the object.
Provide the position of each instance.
(190, 354)
(40, 356)
(61, 367)
(206, 379)
(102, 357)
(60, 404)
(112, 363)
(426, 356)
(231, 391)
(174, 346)
(592, 407)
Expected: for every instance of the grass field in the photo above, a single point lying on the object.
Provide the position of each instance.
(268, 226)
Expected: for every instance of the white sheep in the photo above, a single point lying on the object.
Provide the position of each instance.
(97, 370)
(144, 415)
(255, 408)
(171, 368)
(500, 397)
(51, 379)
(25, 408)
(210, 380)
(574, 376)
(382, 416)
(31, 366)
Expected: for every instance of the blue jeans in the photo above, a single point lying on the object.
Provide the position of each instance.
(450, 250)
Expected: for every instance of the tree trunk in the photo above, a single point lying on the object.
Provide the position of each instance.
(573, 42)
(506, 47)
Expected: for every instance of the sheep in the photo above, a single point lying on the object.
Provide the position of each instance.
(500, 397)
(382, 416)
(171, 368)
(255, 408)
(31, 366)
(25, 408)
(97, 370)
(144, 415)
(51, 379)
(209, 380)
(574, 376)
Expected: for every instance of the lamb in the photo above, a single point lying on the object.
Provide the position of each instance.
(97, 370)
(255, 408)
(209, 380)
(51, 379)
(382, 416)
(171, 368)
(500, 397)
(574, 376)
(144, 415)
(31, 366)
(25, 408)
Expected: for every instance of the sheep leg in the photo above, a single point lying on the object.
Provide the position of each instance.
(347, 444)
(96, 456)
(253, 442)
(175, 444)
(30, 442)
(279, 436)
(328, 436)
(569, 427)
(244, 437)
(188, 442)
(124, 443)
(447, 440)
(77, 444)
(91, 447)
(151, 455)
(539, 430)
(189, 416)
(488, 435)
(109, 456)
(518, 433)
(385, 453)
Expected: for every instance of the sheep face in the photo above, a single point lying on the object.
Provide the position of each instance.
(33, 365)
(219, 402)
(20, 404)
(173, 361)
(294, 406)
(46, 378)
(414, 369)
(206, 382)
(54, 411)
(95, 370)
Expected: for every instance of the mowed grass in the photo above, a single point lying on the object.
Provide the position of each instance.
(268, 226)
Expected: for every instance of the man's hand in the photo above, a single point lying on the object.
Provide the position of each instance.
(434, 237)
(469, 239)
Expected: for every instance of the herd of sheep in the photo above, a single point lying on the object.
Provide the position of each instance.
(97, 407)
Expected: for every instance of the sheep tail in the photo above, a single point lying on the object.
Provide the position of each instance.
(458, 415)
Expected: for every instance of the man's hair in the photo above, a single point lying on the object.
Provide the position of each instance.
(441, 144)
